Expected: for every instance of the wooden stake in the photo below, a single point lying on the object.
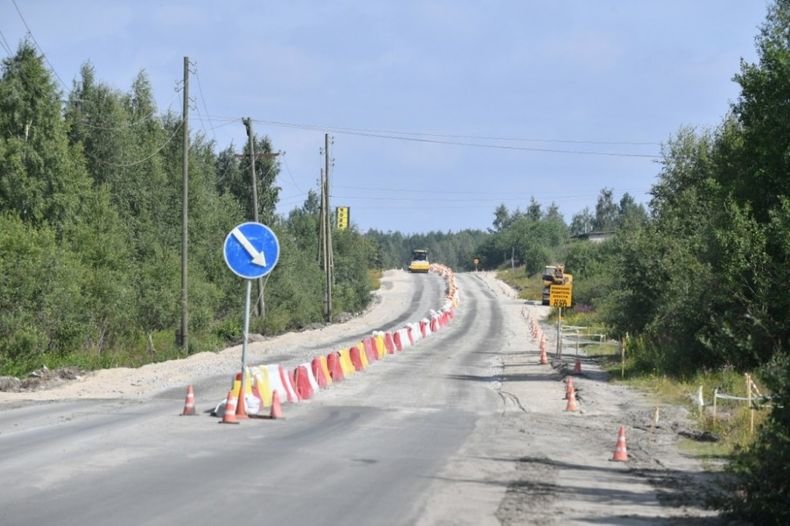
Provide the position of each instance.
(622, 359)
(751, 407)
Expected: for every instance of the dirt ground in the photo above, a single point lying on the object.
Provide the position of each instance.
(532, 462)
(554, 465)
(144, 382)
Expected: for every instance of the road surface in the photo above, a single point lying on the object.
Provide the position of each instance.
(464, 428)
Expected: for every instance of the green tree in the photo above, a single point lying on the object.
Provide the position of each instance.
(582, 222)
(502, 218)
(234, 178)
(762, 112)
(606, 211)
(534, 212)
(43, 179)
(630, 214)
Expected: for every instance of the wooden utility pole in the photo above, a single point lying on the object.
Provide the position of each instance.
(321, 244)
(251, 141)
(184, 336)
(325, 237)
(331, 260)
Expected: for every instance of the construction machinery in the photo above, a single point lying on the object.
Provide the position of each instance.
(554, 275)
(419, 261)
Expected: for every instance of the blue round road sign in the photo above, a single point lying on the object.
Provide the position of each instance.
(251, 250)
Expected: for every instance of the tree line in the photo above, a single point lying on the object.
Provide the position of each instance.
(90, 229)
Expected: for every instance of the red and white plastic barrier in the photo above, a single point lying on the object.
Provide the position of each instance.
(309, 378)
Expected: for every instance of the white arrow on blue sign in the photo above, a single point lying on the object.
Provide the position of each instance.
(251, 250)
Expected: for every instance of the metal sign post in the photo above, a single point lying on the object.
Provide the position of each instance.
(559, 334)
(251, 251)
(560, 296)
(246, 334)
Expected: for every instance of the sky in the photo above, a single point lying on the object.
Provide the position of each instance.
(439, 111)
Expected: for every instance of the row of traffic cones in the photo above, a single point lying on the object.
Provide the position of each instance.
(537, 334)
(235, 408)
(544, 359)
(232, 414)
(620, 448)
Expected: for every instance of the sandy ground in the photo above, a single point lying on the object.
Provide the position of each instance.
(535, 463)
(289, 349)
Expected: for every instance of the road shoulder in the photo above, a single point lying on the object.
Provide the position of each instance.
(533, 462)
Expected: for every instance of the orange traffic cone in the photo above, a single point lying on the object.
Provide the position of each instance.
(577, 369)
(571, 406)
(569, 388)
(620, 452)
(544, 360)
(241, 407)
(277, 410)
(189, 403)
(229, 416)
(241, 404)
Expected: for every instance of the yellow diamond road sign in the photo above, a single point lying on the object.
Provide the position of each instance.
(561, 295)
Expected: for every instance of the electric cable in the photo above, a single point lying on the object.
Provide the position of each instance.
(40, 49)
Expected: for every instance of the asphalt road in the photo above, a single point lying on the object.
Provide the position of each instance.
(364, 451)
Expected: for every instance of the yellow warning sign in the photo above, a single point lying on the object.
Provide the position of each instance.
(561, 295)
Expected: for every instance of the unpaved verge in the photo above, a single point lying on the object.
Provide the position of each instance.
(535, 463)
(394, 297)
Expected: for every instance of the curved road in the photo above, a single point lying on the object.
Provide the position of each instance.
(364, 451)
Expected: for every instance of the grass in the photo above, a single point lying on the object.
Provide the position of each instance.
(731, 428)
(729, 431)
(528, 287)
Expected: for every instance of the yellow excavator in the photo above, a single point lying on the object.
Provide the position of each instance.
(419, 261)
(554, 275)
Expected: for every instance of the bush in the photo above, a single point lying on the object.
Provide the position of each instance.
(761, 490)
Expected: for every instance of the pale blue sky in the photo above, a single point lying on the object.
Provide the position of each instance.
(548, 73)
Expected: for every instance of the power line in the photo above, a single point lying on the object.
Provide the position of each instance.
(402, 133)
(437, 139)
(203, 99)
(503, 146)
(296, 200)
(425, 191)
(142, 120)
(495, 200)
(425, 137)
(40, 49)
(225, 121)
(4, 43)
(288, 169)
(139, 161)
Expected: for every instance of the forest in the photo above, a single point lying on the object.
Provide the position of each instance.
(90, 230)
(90, 240)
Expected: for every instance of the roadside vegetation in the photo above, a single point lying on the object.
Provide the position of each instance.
(695, 285)
(90, 230)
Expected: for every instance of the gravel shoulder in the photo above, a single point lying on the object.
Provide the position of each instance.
(395, 297)
(535, 463)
